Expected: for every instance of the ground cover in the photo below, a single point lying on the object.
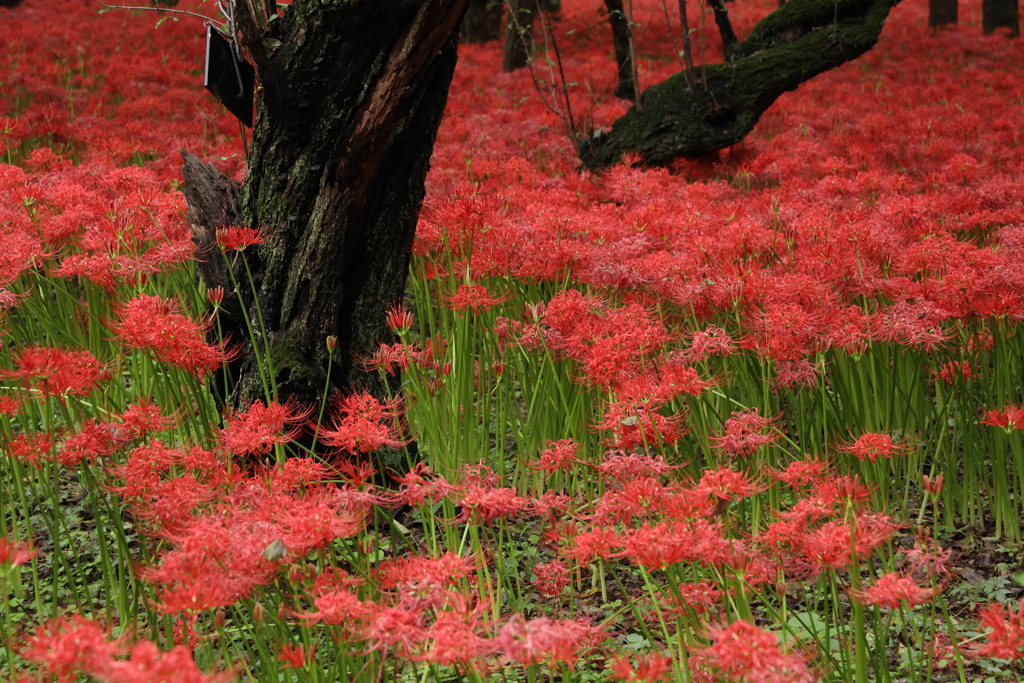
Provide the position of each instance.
(751, 418)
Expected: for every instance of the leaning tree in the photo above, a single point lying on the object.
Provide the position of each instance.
(350, 96)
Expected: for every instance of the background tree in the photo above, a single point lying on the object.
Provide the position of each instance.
(942, 12)
(483, 21)
(687, 116)
(351, 95)
(996, 14)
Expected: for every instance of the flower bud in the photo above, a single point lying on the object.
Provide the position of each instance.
(215, 296)
(332, 343)
(259, 613)
(933, 487)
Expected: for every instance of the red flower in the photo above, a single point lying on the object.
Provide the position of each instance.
(741, 651)
(559, 456)
(153, 324)
(56, 371)
(871, 446)
(475, 297)
(892, 589)
(552, 577)
(235, 238)
(1006, 639)
(649, 668)
(746, 431)
(67, 646)
(259, 428)
(14, 554)
(399, 320)
(484, 505)
(295, 656)
(93, 440)
(362, 424)
(1009, 418)
(543, 640)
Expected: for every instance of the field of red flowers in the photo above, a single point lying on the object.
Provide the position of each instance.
(751, 418)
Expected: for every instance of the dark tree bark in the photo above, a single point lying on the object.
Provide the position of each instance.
(791, 45)
(351, 96)
(622, 41)
(996, 14)
(942, 12)
(519, 16)
(482, 22)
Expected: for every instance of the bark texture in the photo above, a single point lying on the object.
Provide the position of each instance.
(793, 44)
(351, 96)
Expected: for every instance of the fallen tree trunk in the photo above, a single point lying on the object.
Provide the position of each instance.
(793, 44)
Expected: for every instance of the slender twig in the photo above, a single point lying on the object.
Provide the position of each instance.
(724, 28)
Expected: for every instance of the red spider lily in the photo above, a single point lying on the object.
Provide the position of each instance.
(154, 325)
(870, 447)
(796, 373)
(741, 651)
(559, 456)
(56, 371)
(295, 656)
(361, 424)
(700, 597)
(31, 449)
(419, 486)
(484, 505)
(446, 570)
(235, 238)
(801, 472)
(643, 498)
(746, 431)
(454, 638)
(552, 577)
(622, 467)
(711, 341)
(475, 298)
(1008, 418)
(1006, 639)
(726, 484)
(543, 640)
(10, 405)
(92, 440)
(894, 589)
(140, 419)
(68, 647)
(14, 554)
(649, 668)
(927, 557)
(632, 424)
(399, 320)
(259, 428)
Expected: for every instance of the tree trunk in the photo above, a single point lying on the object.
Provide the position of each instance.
(621, 30)
(942, 12)
(996, 14)
(519, 17)
(791, 45)
(351, 96)
(482, 22)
